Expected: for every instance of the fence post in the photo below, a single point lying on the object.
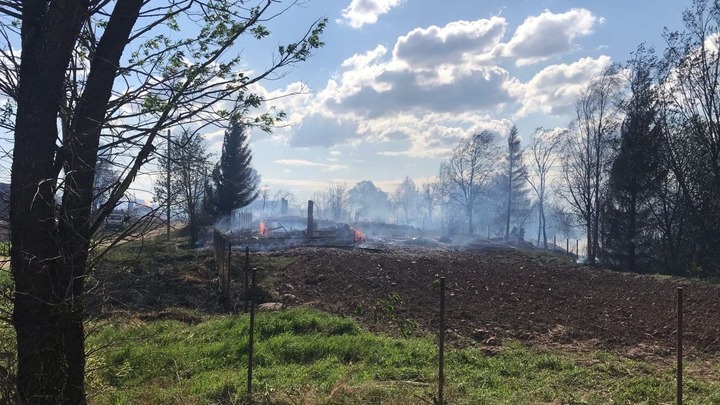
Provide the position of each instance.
(680, 345)
(567, 246)
(554, 243)
(577, 249)
(441, 345)
(247, 274)
(229, 258)
(251, 341)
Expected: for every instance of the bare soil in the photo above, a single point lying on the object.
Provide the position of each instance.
(493, 293)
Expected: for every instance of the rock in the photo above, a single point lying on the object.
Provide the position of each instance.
(288, 298)
(480, 334)
(270, 306)
(493, 341)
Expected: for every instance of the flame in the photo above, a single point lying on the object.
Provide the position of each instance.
(263, 229)
(359, 236)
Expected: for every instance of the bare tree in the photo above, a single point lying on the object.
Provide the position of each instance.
(189, 165)
(406, 198)
(335, 200)
(543, 155)
(470, 167)
(428, 202)
(691, 127)
(114, 75)
(588, 152)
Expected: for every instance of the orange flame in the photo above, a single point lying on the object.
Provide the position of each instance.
(359, 236)
(263, 229)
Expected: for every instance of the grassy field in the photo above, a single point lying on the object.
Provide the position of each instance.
(309, 357)
(305, 356)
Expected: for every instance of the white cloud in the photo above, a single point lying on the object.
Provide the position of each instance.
(307, 163)
(541, 37)
(555, 88)
(452, 44)
(361, 12)
(442, 83)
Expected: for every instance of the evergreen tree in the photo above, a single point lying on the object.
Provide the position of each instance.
(235, 182)
(517, 199)
(636, 172)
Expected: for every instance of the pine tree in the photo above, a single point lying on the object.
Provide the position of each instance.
(636, 172)
(235, 182)
(515, 178)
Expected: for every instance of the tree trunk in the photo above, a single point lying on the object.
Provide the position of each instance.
(471, 226)
(48, 313)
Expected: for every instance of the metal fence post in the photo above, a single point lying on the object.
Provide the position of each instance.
(251, 341)
(679, 345)
(441, 345)
(247, 274)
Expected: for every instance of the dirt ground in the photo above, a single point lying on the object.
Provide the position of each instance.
(493, 293)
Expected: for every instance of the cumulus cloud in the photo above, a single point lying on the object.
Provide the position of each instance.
(541, 37)
(318, 129)
(483, 88)
(440, 84)
(454, 43)
(361, 12)
(555, 88)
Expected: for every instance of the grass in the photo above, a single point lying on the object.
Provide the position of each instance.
(309, 357)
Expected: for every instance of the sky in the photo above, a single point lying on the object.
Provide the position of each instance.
(400, 82)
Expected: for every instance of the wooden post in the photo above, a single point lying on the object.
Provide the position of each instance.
(577, 249)
(441, 345)
(554, 242)
(247, 274)
(167, 214)
(567, 246)
(251, 341)
(679, 345)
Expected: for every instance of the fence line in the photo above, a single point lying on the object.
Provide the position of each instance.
(222, 249)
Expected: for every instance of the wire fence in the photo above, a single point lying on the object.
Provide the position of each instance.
(246, 275)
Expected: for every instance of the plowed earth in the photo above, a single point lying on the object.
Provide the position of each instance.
(493, 293)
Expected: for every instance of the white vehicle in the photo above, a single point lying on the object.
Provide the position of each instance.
(115, 221)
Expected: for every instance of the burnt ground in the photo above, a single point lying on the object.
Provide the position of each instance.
(493, 294)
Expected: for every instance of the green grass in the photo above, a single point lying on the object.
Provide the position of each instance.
(308, 357)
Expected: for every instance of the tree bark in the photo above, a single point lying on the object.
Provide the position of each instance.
(50, 242)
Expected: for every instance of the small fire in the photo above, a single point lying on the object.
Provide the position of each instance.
(359, 236)
(263, 229)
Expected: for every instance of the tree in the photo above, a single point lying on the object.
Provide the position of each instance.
(690, 109)
(335, 200)
(588, 153)
(105, 179)
(95, 75)
(189, 164)
(407, 197)
(235, 183)
(428, 197)
(514, 179)
(470, 167)
(636, 172)
(367, 202)
(544, 152)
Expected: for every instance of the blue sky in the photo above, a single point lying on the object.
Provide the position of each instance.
(400, 82)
